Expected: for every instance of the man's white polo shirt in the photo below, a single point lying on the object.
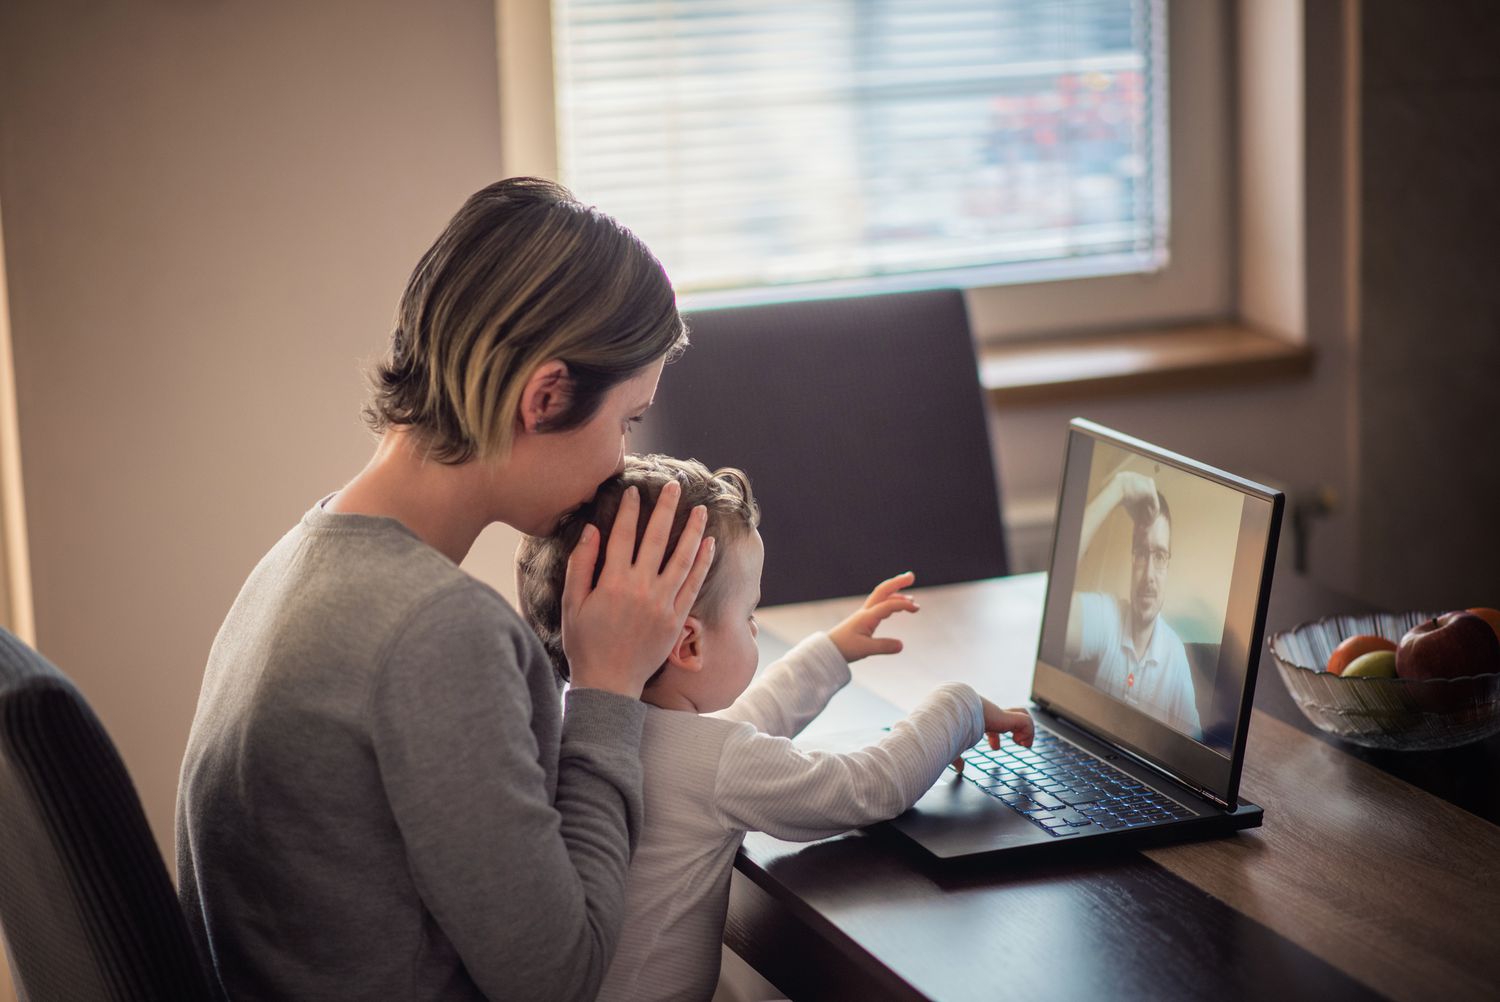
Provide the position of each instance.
(1160, 682)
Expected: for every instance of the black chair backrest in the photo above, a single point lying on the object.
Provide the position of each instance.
(86, 906)
(863, 428)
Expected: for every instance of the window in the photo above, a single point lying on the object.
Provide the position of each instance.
(779, 148)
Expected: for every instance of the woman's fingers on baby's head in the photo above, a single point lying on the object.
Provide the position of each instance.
(578, 575)
(659, 526)
(703, 558)
(688, 543)
(621, 546)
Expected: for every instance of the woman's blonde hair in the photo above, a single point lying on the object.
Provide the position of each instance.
(522, 275)
(542, 562)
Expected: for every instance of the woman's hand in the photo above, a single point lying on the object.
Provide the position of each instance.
(855, 637)
(1016, 722)
(619, 631)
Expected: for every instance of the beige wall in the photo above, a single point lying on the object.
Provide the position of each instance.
(1272, 200)
(1429, 441)
(15, 554)
(210, 210)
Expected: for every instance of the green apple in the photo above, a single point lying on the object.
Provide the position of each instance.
(1376, 664)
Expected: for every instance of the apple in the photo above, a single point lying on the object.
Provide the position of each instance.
(1491, 616)
(1362, 643)
(1375, 664)
(1451, 646)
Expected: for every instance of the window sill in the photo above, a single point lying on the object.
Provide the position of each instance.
(1059, 370)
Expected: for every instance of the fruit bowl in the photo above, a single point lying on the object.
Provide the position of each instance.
(1397, 713)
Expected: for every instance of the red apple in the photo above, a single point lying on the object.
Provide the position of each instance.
(1451, 646)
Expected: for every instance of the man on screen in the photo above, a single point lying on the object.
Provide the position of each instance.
(1141, 658)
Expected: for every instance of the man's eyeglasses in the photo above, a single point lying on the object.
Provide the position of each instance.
(1159, 556)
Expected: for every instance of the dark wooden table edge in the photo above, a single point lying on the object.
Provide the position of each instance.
(831, 965)
(790, 961)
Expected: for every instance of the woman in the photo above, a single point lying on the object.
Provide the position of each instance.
(381, 798)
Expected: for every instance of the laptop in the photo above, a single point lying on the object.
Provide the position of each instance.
(1145, 671)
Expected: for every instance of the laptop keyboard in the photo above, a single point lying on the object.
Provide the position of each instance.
(1064, 790)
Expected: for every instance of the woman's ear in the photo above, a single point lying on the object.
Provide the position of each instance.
(545, 395)
(687, 653)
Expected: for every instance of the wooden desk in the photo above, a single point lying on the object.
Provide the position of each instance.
(1376, 874)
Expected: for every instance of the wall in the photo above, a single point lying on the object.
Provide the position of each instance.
(1272, 202)
(210, 211)
(1429, 438)
(1289, 434)
(15, 553)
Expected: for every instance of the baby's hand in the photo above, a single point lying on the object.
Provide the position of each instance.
(855, 636)
(1016, 722)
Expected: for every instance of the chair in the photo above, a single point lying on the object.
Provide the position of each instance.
(863, 428)
(86, 906)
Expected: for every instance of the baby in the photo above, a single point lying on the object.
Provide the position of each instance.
(716, 753)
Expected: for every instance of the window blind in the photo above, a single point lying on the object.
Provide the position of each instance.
(768, 143)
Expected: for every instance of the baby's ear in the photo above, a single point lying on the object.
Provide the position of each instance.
(687, 653)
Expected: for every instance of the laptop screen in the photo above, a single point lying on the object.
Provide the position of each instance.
(1161, 568)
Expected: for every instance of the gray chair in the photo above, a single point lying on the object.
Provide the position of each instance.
(86, 906)
(863, 428)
